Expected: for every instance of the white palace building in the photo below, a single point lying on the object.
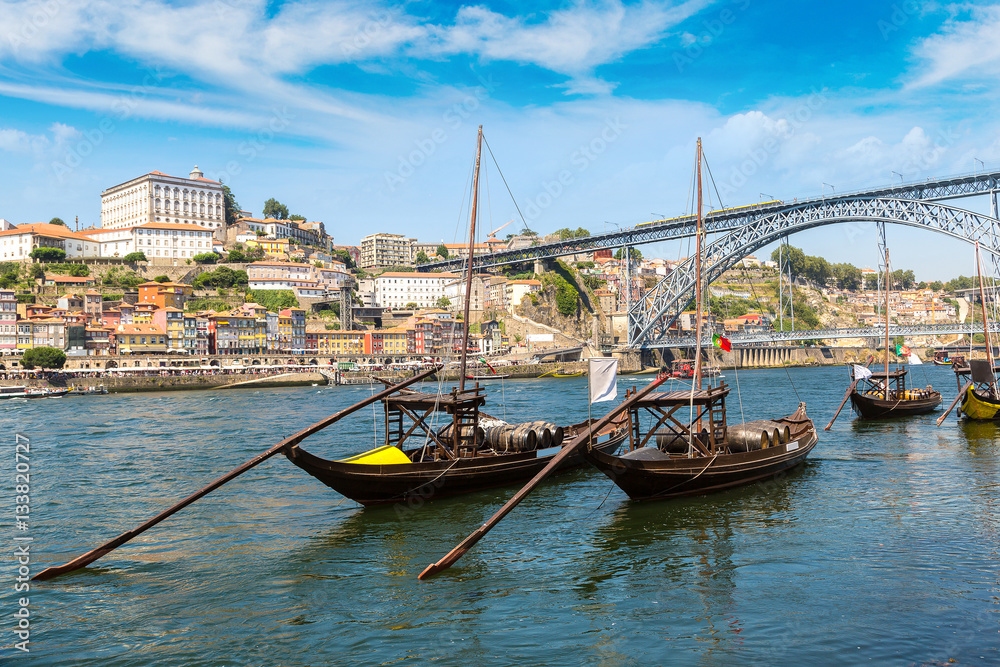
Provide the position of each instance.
(156, 197)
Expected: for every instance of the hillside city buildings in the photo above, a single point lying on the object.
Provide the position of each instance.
(399, 311)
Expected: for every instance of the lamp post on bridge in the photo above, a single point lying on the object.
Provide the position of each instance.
(974, 161)
(832, 189)
(896, 173)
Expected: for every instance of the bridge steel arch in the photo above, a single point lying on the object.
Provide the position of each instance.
(652, 315)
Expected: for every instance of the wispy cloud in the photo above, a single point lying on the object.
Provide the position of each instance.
(967, 46)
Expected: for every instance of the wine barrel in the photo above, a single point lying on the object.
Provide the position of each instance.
(445, 433)
(512, 438)
(543, 436)
(749, 437)
(557, 434)
(672, 443)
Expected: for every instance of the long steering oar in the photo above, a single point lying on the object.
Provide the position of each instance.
(452, 556)
(951, 407)
(841, 407)
(91, 556)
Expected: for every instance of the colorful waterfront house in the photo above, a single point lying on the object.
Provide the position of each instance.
(274, 248)
(296, 318)
(225, 334)
(8, 320)
(24, 338)
(35, 310)
(171, 321)
(144, 313)
(386, 341)
(272, 321)
(127, 313)
(69, 302)
(98, 340)
(93, 304)
(49, 332)
(312, 339)
(141, 339)
(190, 340)
(346, 342)
(204, 334)
(75, 341)
(165, 295)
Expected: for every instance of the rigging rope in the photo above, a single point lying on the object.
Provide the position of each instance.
(500, 171)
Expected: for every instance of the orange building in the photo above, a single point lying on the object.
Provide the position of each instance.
(165, 295)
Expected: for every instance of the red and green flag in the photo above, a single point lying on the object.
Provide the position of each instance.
(902, 351)
(721, 342)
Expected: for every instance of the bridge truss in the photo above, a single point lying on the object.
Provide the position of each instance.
(649, 319)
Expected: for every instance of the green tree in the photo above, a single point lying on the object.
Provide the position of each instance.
(274, 299)
(442, 251)
(57, 221)
(162, 279)
(297, 218)
(48, 254)
(633, 254)
(792, 260)
(206, 258)
(422, 257)
(443, 302)
(411, 305)
(848, 276)
(567, 233)
(10, 273)
(936, 285)
(230, 206)
(236, 255)
(36, 271)
(816, 269)
(275, 209)
(134, 257)
(43, 357)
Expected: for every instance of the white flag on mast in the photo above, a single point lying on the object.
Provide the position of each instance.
(603, 379)
(861, 372)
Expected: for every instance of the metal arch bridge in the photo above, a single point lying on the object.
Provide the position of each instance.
(755, 338)
(650, 318)
(728, 220)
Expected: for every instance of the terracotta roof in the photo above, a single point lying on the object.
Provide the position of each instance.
(68, 279)
(45, 229)
(140, 329)
(415, 274)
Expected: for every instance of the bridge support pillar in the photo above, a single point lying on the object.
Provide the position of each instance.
(543, 265)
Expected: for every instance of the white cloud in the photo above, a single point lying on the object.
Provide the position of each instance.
(39, 146)
(572, 41)
(968, 47)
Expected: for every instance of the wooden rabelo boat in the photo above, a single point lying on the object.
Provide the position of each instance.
(679, 441)
(673, 456)
(881, 395)
(978, 392)
(472, 451)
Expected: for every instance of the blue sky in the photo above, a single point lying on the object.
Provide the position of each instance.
(364, 115)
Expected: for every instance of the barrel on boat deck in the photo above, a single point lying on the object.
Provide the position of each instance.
(749, 437)
(557, 434)
(512, 438)
(543, 436)
(672, 443)
(445, 433)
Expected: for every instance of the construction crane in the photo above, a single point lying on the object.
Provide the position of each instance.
(493, 233)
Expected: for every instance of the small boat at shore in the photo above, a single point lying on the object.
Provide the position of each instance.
(45, 392)
(13, 392)
(88, 391)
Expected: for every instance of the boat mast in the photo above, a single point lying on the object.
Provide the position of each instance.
(986, 328)
(887, 279)
(697, 277)
(468, 264)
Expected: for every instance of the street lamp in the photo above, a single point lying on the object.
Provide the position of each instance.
(974, 161)
(900, 177)
(834, 190)
(769, 197)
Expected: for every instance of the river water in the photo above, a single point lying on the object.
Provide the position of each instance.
(883, 548)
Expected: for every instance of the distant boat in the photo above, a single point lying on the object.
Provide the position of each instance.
(13, 392)
(45, 392)
(562, 374)
(495, 376)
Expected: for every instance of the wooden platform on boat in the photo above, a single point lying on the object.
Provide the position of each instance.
(418, 400)
(684, 397)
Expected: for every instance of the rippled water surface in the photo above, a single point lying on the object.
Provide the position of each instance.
(883, 548)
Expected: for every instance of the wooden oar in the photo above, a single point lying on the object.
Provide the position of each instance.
(452, 556)
(953, 403)
(91, 556)
(846, 396)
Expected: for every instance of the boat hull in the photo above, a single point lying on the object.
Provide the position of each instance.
(672, 477)
(873, 407)
(383, 484)
(977, 407)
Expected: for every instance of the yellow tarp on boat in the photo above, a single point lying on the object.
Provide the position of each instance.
(976, 408)
(386, 454)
